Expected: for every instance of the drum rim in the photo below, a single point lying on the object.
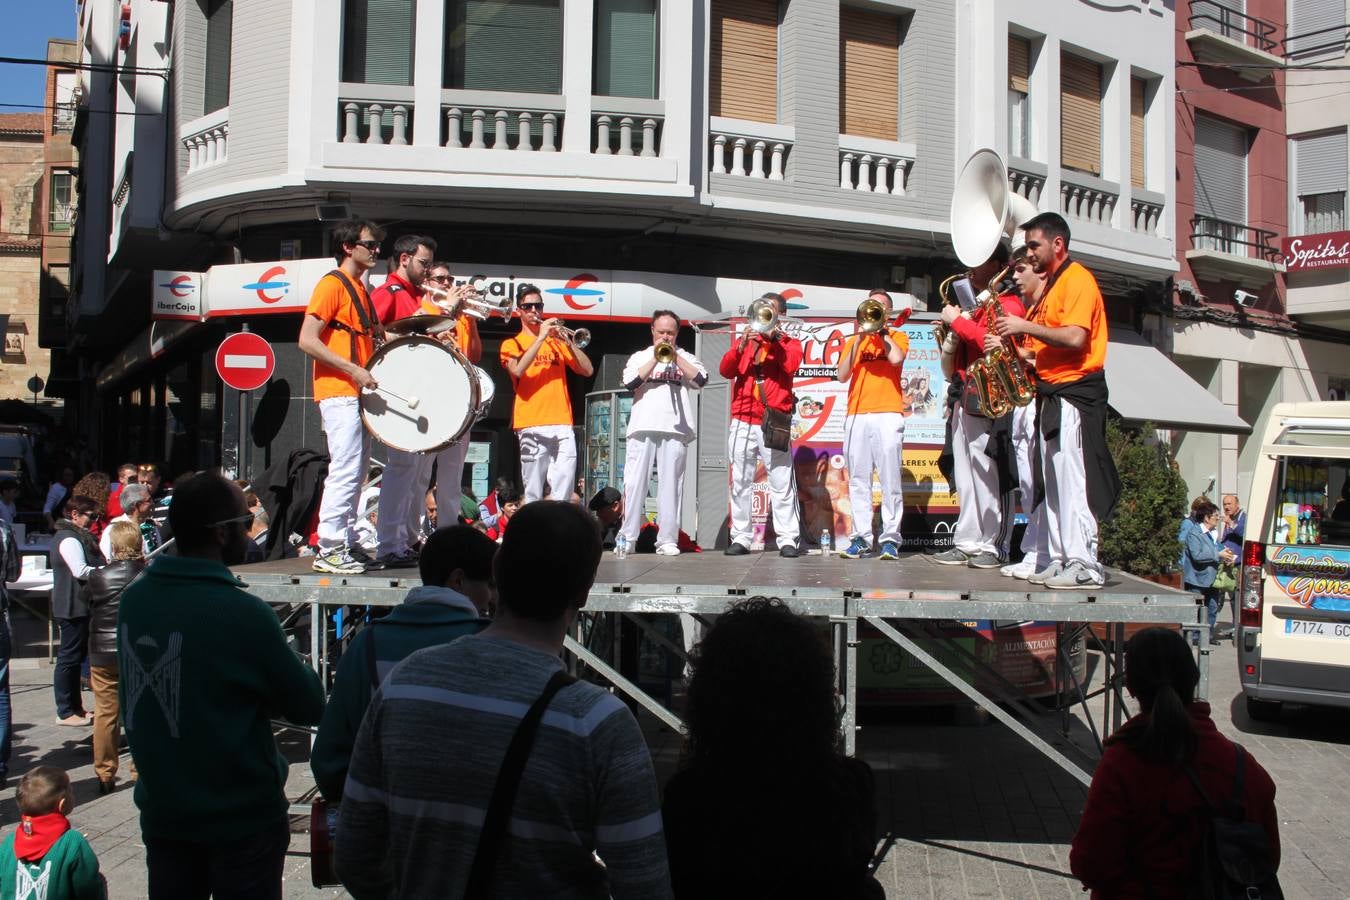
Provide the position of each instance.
(451, 349)
(442, 323)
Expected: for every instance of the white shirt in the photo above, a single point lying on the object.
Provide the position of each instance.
(105, 539)
(663, 402)
(72, 554)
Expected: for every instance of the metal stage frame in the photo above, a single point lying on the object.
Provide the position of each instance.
(901, 599)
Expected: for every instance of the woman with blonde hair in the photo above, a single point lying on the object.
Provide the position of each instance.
(105, 590)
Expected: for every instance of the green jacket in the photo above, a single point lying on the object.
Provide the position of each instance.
(204, 668)
(429, 617)
(70, 871)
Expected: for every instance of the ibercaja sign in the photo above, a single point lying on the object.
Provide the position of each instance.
(1317, 251)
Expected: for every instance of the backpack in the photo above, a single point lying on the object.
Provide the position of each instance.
(1233, 859)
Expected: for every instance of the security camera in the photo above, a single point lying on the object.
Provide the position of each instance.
(1243, 298)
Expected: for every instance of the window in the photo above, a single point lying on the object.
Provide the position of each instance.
(219, 36)
(1019, 97)
(1220, 184)
(1138, 133)
(377, 41)
(1316, 28)
(63, 115)
(626, 49)
(1080, 111)
(62, 211)
(1320, 182)
(504, 45)
(743, 75)
(869, 74)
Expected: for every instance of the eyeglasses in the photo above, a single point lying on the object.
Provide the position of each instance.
(246, 520)
(534, 306)
(372, 246)
(425, 262)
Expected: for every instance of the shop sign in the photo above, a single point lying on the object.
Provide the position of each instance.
(1317, 251)
(177, 295)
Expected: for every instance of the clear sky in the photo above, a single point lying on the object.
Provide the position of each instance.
(26, 28)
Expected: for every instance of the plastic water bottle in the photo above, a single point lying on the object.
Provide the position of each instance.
(824, 542)
(621, 547)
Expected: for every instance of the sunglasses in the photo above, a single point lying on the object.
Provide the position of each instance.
(534, 306)
(372, 246)
(444, 278)
(246, 520)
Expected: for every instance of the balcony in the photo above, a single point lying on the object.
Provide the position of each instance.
(1232, 251)
(878, 167)
(374, 113)
(63, 118)
(1220, 34)
(757, 150)
(1087, 198)
(205, 140)
(622, 127)
(1324, 42)
(1027, 179)
(1146, 209)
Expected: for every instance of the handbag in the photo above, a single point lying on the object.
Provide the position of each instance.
(777, 425)
(1226, 578)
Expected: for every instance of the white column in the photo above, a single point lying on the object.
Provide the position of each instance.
(315, 72)
(683, 72)
(430, 34)
(578, 22)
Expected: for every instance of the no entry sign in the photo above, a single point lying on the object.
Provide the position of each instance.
(245, 361)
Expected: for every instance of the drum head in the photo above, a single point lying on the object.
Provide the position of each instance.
(437, 377)
(420, 324)
(486, 389)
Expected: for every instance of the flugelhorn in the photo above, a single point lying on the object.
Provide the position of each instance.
(476, 304)
(577, 337)
(871, 316)
(664, 353)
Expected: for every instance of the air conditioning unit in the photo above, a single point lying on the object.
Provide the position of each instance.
(332, 212)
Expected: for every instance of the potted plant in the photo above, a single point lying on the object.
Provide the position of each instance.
(1141, 537)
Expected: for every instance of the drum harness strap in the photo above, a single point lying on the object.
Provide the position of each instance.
(370, 324)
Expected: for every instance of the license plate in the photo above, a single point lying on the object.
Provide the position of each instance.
(1333, 631)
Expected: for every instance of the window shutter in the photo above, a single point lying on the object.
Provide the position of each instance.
(1019, 64)
(1138, 134)
(1080, 113)
(743, 77)
(1319, 163)
(377, 42)
(869, 74)
(1220, 170)
(625, 48)
(1309, 16)
(505, 45)
(219, 37)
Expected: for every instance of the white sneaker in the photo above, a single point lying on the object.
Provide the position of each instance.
(1075, 576)
(1050, 571)
(1022, 570)
(668, 550)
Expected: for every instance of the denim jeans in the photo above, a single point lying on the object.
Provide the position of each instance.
(6, 729)
(70, 656)
(248, 868)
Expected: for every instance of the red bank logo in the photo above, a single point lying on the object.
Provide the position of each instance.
(575, 289)
(181, 286)
(791, 294)
(268, 282)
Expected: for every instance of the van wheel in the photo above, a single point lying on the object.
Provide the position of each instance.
(1263, 710)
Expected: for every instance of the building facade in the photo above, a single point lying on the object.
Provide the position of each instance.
(21, 230)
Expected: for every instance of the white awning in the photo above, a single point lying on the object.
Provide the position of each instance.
(1146, 386)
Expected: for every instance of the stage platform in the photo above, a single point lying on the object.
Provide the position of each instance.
(899, 598)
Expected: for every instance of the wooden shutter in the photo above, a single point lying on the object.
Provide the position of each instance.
(1220, 170)
(869, 74)
(1019, 64)
(1080, 110)
(1138, 134)
(625, 48)
(743, 77)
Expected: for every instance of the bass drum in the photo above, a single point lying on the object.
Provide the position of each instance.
(437, 390)
(486, 391)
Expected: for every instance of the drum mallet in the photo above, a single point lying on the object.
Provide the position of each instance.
(411, 401)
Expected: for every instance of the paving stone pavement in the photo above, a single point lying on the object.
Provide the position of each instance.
(969, 810)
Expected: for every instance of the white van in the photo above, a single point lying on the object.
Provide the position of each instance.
(1293, 635)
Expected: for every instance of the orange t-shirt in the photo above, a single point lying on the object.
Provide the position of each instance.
(541, 393)
(874, 385)
(330, 303)
(461, 328)
(1074, 299)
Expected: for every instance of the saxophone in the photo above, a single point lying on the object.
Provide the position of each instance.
(999, 378)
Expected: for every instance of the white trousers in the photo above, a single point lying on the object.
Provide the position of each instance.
(449, 483)
(984, 522)
(745, 451)
(548, 462)
(398, 490)
(875, 442)
(669, 453)
(1035, 548)
(1070, 525)
(348, 450)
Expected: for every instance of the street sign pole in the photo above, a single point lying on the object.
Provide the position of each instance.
(244, 362)
(244, 448)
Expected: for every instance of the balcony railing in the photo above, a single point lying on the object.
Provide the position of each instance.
(206, 140)
(1146, 209)
(756, 149)
(1027, 178)
(487, 120)
(61, 217)
(374, 113)
(627, 127)
(1233, 24)
(63, 118)
(1234, 238)
(874, 166)
(1333, 41)
(1087, 197)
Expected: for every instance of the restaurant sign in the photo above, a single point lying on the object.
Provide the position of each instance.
(1317, 251)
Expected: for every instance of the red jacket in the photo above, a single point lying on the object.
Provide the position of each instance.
(395, 299)
(973, 330)
(1142, 822)
(778, 362)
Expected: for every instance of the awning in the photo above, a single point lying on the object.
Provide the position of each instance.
(1146, 386)
(146, 346)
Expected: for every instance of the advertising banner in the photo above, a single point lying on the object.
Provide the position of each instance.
(1313, 576)
(178, 295)
(1317, 251)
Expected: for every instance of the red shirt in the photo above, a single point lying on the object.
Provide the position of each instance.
(395, 299)
(778, 361)
(973, 330)
(1142, 821)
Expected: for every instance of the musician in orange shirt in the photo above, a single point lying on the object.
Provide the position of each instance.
(874, 429)
(339, 331)
(1066, 338)
(538, 359)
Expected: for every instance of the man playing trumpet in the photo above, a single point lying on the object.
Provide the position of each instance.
(660, 427)
(874, 429)
(537, 359)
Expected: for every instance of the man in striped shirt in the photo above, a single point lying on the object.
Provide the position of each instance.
(428, 752)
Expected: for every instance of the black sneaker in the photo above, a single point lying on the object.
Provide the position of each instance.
(789, 551)
(735, 549)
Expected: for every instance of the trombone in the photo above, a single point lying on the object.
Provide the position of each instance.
(476, 304)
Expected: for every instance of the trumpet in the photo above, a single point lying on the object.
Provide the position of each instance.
(476, 304)
(577, 337)
(664, 353)
(871, 316)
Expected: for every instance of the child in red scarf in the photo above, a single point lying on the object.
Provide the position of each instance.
(44, 857)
